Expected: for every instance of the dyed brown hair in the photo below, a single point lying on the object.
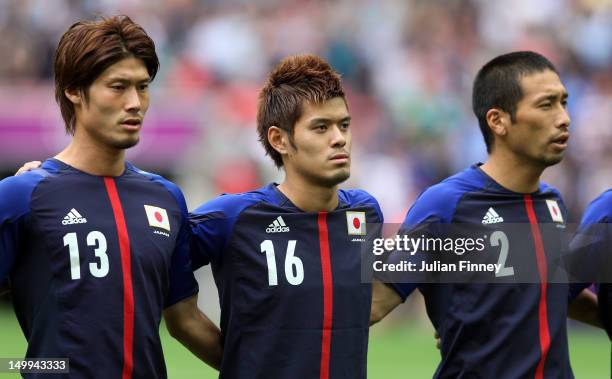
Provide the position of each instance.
(294, 81)
(87, 48)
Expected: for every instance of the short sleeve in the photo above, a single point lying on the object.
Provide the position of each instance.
(433, 207)
(589, 257)
(15, 196)
(212, 224)
(182, 282)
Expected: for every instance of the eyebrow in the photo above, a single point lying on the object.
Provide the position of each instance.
(552, 97)
(124, 79)
(326, 120)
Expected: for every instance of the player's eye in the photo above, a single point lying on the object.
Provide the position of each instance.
(117, 87)
(564, 103)
(321, 128)
(545, 105)
(345, 125)
(143, 86)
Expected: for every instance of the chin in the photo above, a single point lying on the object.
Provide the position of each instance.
(552, 160)
(126, 143)
(336, 178)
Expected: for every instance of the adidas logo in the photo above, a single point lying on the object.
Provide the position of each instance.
(492, 217)
(278, 226)
(73, 217)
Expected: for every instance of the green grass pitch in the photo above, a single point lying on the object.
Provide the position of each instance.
(396, 352)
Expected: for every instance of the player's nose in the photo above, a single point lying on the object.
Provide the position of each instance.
(338, 136)
(133, 102)
(563, 118)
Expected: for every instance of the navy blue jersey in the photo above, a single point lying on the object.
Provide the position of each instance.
(92, 261)
(496, 330)
(599, 211)
(289, 282)
(600, 241)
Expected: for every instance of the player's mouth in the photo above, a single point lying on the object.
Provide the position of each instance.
(132, 124)
(339, 158)
(560, 142)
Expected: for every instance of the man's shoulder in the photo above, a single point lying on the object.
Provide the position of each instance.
(231, 205)
(360, 198)
(604, 200)
(468, 180)
(550, 190)
(16, 191)
(171, 187)
(355, 197)
(440, 200)
(23, 181)
(599, 210)
(153, 177)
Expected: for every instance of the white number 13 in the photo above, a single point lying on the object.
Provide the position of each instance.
(94, 238)
(294, 269)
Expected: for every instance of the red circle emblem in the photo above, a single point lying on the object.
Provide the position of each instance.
(356, 223)
(158, 217)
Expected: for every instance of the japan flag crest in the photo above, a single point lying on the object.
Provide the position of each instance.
(356, 223)
(158, 217)
(555, 211)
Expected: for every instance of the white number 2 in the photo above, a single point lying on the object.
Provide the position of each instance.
(497, 238)
(294, 269)
(96, 239)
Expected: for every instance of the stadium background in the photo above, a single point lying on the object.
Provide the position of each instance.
(407, 65)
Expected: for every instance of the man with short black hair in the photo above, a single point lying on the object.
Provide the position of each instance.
(501, 330)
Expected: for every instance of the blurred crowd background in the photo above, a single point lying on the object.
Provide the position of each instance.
(407, 65)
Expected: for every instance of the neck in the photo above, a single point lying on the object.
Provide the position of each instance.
(93, 159)
(513, 173)
(309, 197)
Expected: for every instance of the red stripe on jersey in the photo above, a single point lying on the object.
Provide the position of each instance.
(126, 267)
(327, 295)
(543, 271)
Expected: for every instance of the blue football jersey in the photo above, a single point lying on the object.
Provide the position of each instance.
(292, 301)
(496, 330)
(92, 261)
(599, 210)
(595, 227)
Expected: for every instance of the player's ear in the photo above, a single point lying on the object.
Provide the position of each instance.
(278, 139)
(74, 95)
(498, 121)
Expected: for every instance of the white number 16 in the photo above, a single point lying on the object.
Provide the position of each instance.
(294, 269)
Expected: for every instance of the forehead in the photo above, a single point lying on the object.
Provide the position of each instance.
(333, 109)
(130, 68)
(541, 83)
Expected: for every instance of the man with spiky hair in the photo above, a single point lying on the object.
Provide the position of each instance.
(94, 248)
(286, 257)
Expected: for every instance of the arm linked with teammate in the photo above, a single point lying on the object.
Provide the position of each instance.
(584, 308)
(191, 327)
(384, 300)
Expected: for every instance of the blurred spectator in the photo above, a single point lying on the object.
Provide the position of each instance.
(408, 65)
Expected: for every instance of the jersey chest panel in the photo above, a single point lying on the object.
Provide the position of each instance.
(277, 274)
(281, 269)
(274, 323)
(79, 230)
(482, 318)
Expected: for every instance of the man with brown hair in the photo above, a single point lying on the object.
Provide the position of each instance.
(94, 248)
(286, 258)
